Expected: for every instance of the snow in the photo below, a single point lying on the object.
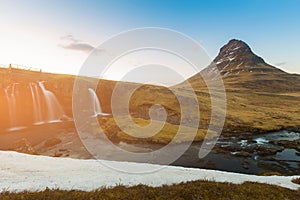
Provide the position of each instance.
(226, 74)
(225, 67)
(236, 48)
(231, 58)
(239, 65)
(220, 61)
(21, 172)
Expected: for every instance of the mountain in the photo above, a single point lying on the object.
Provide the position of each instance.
(259, 96)
(237, 57)
(242, 69)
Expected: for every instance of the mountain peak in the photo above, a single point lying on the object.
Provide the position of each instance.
(236, 57)
(237, 52)
(235, 45)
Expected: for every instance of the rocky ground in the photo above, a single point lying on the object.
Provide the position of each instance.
(278, 155)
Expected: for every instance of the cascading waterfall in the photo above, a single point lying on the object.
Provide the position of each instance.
(95, 102)
(37, 109)
(54, 109)
(31, 103)
(10, 95)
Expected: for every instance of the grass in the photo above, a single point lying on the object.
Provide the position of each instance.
(250, 107)
(159, 132)
(192, 190)
(296, 180)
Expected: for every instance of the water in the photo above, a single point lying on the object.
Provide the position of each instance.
(96, 107)
(31, 103)
(261, 140)
(280, 135)
(55, 111)
(285, 161)
(37, 109)
(288, 155)
(10, 95)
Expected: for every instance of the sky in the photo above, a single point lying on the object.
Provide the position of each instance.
(58, 35)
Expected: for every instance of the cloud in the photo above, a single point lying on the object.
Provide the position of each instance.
(69, 37)
(78, 47)
(71, 43)
(280, 63)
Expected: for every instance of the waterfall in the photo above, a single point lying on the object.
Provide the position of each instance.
(11, 100)
(95, 102)
(54, 109)
(30, 103)
(36, 101)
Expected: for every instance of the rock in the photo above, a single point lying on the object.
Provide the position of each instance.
(56, 154)
(52, 142)
(265, 151)
(246, 165)
(288, 144)
(250, 149)
(231, 148)
(24, 146)
(63, 150)
(268, 159)
(242, 154)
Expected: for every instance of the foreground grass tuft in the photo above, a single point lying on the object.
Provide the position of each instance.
(192, 190)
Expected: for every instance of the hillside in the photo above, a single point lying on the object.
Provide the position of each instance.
(259, 97)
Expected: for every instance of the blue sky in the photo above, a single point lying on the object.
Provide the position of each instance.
(35, 32)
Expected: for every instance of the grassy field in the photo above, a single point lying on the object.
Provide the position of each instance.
(255, 102)
(197, 190)
(163, 132)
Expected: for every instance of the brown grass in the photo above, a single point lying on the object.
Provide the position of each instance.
(191, 190)
(296, 180)
(163, 136)
(253, 104)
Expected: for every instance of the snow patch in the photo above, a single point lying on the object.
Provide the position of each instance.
(236, 48)
(238, 66)
(231, 59)
(226, 74)
(21, 172)
(220, 61)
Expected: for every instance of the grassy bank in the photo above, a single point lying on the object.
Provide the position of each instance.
(191, 190)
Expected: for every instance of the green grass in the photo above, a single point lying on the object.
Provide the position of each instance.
(191, 190)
